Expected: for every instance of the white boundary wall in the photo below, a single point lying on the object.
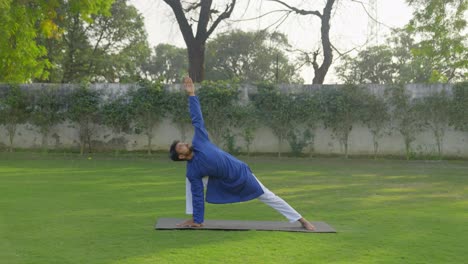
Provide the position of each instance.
(65, 136)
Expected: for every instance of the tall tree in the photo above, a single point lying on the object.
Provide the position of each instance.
(327, 54)
(23, 22)
(110, 49)
(168, 64)
(250, 57)
(186, 11)
(441, 28)
(372, 65)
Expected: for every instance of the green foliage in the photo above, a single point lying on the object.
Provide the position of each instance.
(110, 49)
(250, 57)
(404, 115)
(459, 109)
(14, 110)
(434, 111)
(116, 114)
(307, 114)
(375, 116)
(218, 99)
(273, 108)
(48, 111)
(230, 143)
(177, 109)
(245, 118)
(372, 65)
(24, 23)
(168, 63)
(431, 48)
(299, 141)
(341, 108)
(84, 108)
(441, 28)
(148, 107)
(289, 116)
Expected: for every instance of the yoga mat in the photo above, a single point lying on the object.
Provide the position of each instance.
(171, 223)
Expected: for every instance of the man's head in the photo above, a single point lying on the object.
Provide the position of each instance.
(180, 151)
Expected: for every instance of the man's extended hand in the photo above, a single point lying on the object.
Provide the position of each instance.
(189, 87)
(189, 223)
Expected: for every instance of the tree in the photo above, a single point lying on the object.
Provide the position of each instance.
(168, 64)
(459, 107)
(273, 109)
(404, 115)
(23, 22)
(117, 114)
(434, 110)
(441, 28)
(177, 111)
(14, 110)
(250, 57)
(111, 48)
(372, 65)
(84, 109)
(48, 110)
(311, 113)
(409, 68)
(327, 54)
(375, 116)
(148, 107)
(187, 11)
(341, 108)
(245, 118)
(218, 99)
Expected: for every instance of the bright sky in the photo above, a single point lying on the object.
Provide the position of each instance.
(349, 24)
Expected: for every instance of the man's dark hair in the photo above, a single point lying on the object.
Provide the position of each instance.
(173, 153)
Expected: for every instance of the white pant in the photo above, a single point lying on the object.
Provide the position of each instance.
(267, 197)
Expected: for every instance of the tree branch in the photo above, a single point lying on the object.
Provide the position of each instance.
(297, 10)
(203, 19)
(368, 14)
(226, 14)
(184, 26)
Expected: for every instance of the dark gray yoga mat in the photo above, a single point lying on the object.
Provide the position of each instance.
(171, 223)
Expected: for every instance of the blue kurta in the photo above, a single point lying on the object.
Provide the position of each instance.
(230, 181)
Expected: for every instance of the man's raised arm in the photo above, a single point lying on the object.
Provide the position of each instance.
(195, 111)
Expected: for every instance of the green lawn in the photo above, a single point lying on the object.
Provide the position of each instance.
(69, 209)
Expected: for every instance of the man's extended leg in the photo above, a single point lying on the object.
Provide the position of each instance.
(280, 205)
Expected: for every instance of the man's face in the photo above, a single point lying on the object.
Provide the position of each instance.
(183, 149)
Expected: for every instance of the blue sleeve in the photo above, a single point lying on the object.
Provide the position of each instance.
(198, 202)
(197, 119)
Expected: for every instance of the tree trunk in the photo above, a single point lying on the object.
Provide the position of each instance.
(376, 145)
(149, 134)
(11, 132)
(196, 42)
(280, 140)
(439, 135)
(321, 72)
(45, 134)
(196, 54)
(346, 148)
(149, 144)
(408, 148)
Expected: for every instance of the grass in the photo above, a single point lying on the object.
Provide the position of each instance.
(70, 209)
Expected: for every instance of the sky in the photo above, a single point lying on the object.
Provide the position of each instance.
(349, 24)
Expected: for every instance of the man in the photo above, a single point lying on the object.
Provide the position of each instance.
(229, 179)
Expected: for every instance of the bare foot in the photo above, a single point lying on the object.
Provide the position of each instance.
(306, 224)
